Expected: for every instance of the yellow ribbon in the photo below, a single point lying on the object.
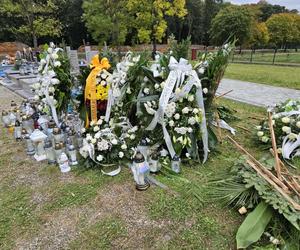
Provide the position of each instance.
(90, 87)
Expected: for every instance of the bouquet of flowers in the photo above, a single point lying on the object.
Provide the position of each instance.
(286, 122)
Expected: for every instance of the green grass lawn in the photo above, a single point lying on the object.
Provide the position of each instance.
(280, 76)
(40, 207)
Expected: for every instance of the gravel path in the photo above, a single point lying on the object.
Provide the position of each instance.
(255, 93)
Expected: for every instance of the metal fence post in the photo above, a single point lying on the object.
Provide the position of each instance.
(274, 56)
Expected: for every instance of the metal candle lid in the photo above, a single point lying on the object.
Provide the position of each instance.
(139, 158)
(176, 158)
(48, 144)
(57, 146)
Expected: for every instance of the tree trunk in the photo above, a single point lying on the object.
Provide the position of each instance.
(154, 48)
(35, 43)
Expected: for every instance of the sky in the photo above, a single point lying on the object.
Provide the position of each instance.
(290, 4)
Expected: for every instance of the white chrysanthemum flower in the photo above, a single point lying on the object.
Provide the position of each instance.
(99, 158)
(286, 129)
(192, 120)
(84, 152)
(185, 110)
(196, 111)
(146, 91)
(51, 89)
(132, 137)
(102, 145)
(191, 98)
(181, 130)
(171, 123)
(121, 154)
(260, 133)
(156, 86)
(205, 90)
(286, 120)
(57, 64)
(36, 97)
(177, 116)
(94, 140)
(96, 129)
(114, 141)
(201, 70)
(124, 146)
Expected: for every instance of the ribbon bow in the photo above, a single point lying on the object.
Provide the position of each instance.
(90, 87)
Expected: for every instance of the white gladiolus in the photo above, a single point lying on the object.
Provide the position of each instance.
(99, 158)
(286, 120)
(260, 133)
(286, 129)
(177, 116)
(205, 90)
(121, 154)
(96, 129)
(185, 110)
(94, 140)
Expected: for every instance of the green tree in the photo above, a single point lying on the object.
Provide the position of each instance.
(150, 17)
(107, 21)
(38, 18)
(232, 21)
(283, 29)
(259, 35)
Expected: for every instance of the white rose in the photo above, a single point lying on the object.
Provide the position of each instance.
(94, 140)
(260, 133)
(96, 129)
(187, 155)
(298, 124)
(99, 122)
(83, 130)
(92, 123)
(97, 135)
(121, 154)
(99, 158)
(286, 129)
(185, 110)
(156, 86)
(146, 91)
(191, 98)
(258, 127)
(191, 120)
(132, 137)
(54, 81)
(286, 120)
(36, 97)
(114, 141)
(292, 136)
(162, 85)
(124, 146)
(205, 90)
(177, 116)
(171, 123)
(51, 89)
(265, 139)
(190, 130)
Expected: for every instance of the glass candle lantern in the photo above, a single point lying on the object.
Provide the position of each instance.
(11, 129)
(12, 118)
(27, 124)
(18, 131)
(58, 151)
(38, 138)
(43, 123)
(175, 164)
(50, 153)
(58, 135)
(73, 155)
(5, 119)
(140, 169)
(64, 163)
(143, 147)
(154, 163)
(72, 136)
(30, 147)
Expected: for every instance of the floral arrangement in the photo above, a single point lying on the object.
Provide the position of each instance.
(286, 122)
(53, 88)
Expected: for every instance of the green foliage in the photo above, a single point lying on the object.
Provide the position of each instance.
(231, 21)
(181, 49)
(150, 22)
(284, 29)
(254, 225)
(107, 21)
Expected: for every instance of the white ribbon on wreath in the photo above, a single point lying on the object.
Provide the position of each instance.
(180, 70)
